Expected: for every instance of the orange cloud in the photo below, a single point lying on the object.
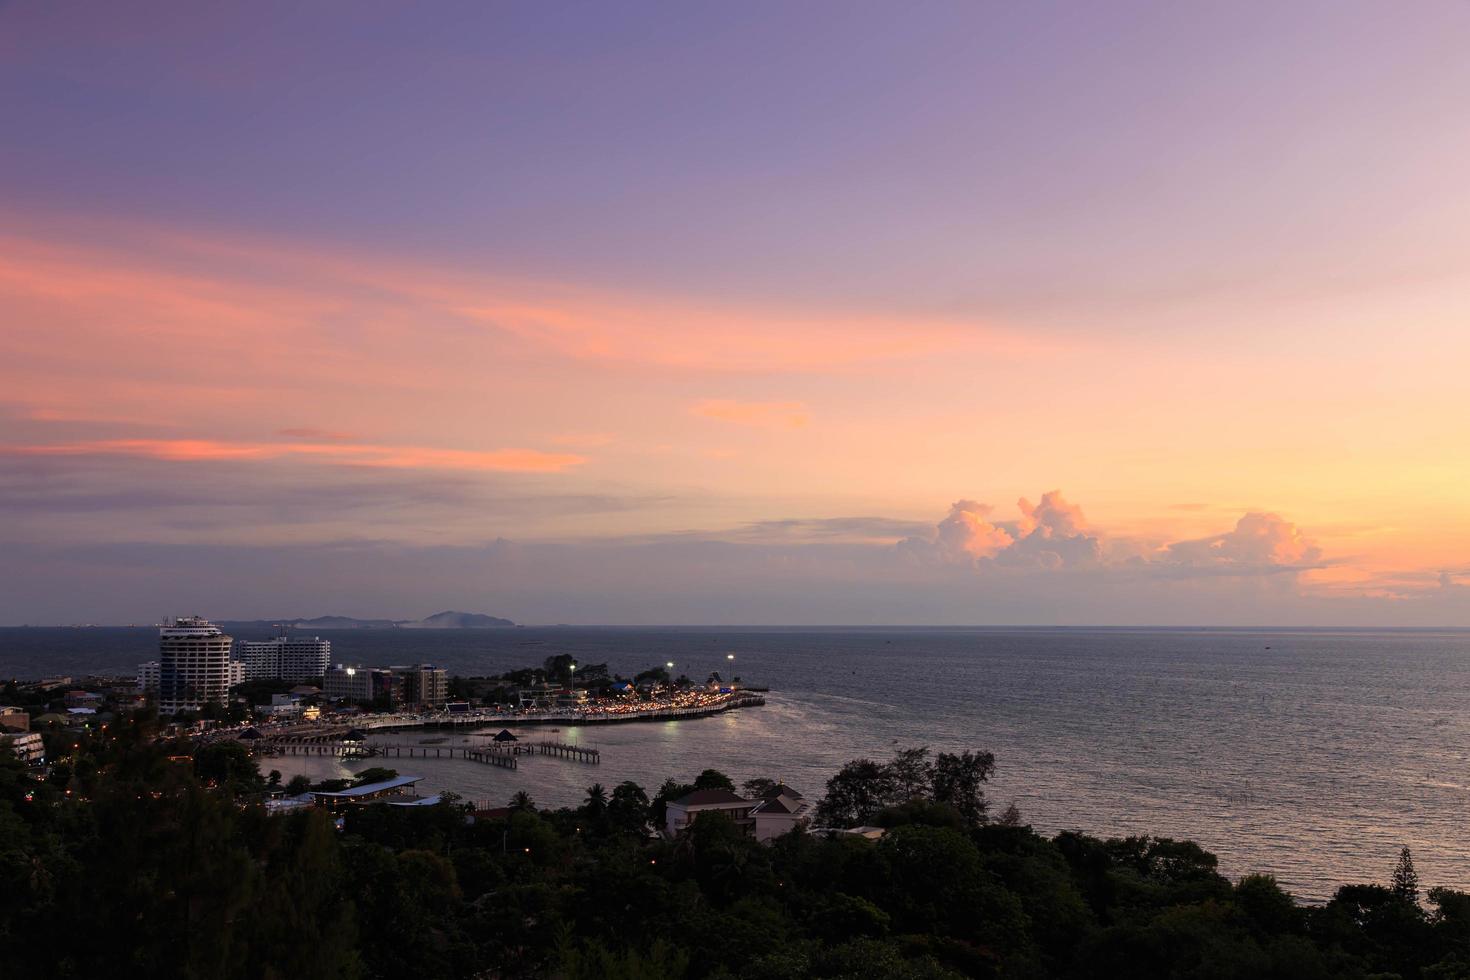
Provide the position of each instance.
(771, 415)
(400, 457)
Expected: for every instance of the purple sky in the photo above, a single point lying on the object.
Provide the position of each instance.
(712, 312)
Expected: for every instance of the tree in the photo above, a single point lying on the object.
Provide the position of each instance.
(856, 793)
(759, 786)
(596, 803)
(375, 774)
(714, 779)
(628, 810)
(1406, 879)
(559, 667)
(958, 781)
(299, 784)
(912, 773)
(655, 675)
(522, 802)
(227, 763)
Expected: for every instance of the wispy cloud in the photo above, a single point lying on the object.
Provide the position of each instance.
(766, 415)
(190, 288)
(398, 457)
(325, 435)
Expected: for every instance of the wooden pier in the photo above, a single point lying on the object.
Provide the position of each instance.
(564, 750)
(347, 750)
(487, 755)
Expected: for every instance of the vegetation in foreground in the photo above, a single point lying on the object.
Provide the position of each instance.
(135, 859)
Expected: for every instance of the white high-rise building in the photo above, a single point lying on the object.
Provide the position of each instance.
(193, 665)
(148, 677)
(286, 658)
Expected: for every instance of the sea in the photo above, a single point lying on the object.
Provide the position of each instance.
(1311, 755)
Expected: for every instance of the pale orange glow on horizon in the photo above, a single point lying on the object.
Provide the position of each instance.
(198, 351)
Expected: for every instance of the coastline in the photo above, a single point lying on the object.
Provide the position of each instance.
(557, 716)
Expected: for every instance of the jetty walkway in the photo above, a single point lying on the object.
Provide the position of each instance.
(504, 756)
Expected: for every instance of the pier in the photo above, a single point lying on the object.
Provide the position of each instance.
(489, 755)
(564, 750)
(347, 750)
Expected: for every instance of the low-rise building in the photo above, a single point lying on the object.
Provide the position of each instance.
(13, 719)
(680, 813)
(27, 746)
(81, 699)
(358, 683)
(398, 789)
(132, 699)
(777, 812)
(424, 685)
(780, 811)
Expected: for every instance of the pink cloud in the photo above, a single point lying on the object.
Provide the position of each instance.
(1053, 517)
(399, 457)
(189, 288)
(964, 536)
(1258, 540)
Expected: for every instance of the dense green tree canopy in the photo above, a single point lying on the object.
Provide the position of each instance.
(131, 862)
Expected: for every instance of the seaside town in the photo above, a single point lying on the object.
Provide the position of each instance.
(285, 696)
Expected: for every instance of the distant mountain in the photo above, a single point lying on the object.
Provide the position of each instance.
(447, 620)
(451, 620)
(340, 623)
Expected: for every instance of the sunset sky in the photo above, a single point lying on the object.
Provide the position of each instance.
(950, 313)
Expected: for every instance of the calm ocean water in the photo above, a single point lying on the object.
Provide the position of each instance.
(1311, 755)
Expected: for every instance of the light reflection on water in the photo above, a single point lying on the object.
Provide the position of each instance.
(1315, 759)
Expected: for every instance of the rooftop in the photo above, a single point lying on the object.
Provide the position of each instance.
(707, 797)
(417, 801)
(371, 788)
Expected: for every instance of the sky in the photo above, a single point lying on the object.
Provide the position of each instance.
(817, 313)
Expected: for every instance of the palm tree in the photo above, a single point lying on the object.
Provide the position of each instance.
(596, 800)
(522, 802)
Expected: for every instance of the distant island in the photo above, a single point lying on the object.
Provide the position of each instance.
(450, 620)
(447, 620)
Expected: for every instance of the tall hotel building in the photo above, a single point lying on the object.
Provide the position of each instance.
(193, 665)
(286, 658)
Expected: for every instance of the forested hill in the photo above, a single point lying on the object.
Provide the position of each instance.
(131, 859)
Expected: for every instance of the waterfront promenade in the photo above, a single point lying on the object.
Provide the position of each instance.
(344, 735)
(594, 713)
